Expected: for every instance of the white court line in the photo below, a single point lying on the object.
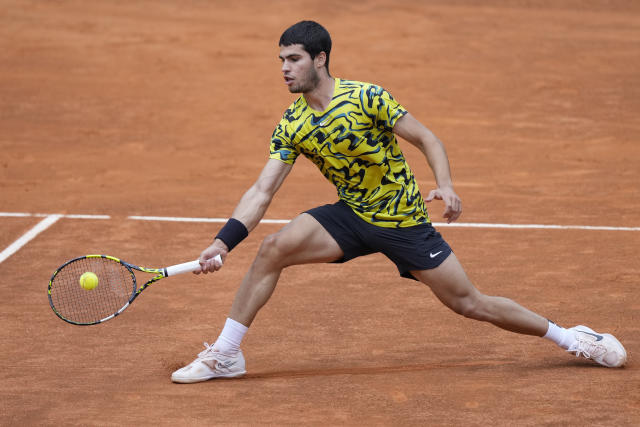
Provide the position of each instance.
(534, 226)
(285, 221)
(183, 219)
(88, 216)
(38, 215)
(47, 222)
(50, 219)
(175, 219)
(436, 224)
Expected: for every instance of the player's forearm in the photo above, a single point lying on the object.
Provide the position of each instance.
(245, 217)
(252, 207)
(437, 158)
(256, 200)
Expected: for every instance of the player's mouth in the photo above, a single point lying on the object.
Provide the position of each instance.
(288, 80)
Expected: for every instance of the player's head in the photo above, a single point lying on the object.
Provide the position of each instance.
(304, 50)
(312, 36)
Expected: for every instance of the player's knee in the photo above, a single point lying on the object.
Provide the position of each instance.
(472, 307)
(274, 248)
(269, 246)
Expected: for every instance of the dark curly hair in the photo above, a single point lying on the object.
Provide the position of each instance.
(311, 35)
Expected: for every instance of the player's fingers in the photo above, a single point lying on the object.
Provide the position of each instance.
(217, 263)
(448, 212)
(453, 210)
(211, 265)
(452, 216)
(203, 264)
(433, 194)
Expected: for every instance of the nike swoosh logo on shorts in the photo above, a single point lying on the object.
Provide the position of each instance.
(432, 255)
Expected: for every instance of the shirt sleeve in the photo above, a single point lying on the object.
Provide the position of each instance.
(388, 110)
(282, 147)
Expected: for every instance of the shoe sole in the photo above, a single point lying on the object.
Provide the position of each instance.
(202, 379)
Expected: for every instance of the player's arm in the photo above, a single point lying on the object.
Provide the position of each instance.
(250, 209)
(410, 129)
(256, 200)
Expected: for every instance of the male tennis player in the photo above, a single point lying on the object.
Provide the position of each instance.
(348, 130)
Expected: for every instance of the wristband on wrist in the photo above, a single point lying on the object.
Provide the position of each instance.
(232, 233)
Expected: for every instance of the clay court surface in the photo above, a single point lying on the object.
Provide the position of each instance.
(165, 109)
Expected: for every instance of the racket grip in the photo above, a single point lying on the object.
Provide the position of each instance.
(186, 267)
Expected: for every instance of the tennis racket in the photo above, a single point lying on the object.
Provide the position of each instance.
(115, 291)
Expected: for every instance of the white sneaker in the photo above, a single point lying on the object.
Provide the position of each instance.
(210, 364)
(602, 348)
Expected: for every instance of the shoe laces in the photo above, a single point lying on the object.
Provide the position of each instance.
(207, 353)
(587, 348)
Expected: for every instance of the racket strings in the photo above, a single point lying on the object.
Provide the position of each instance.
(115, 288)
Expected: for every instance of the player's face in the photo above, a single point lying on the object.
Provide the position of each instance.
(298, 69)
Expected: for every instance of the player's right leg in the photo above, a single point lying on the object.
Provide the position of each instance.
(302, 241)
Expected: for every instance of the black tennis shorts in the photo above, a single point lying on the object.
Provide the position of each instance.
(419, 247)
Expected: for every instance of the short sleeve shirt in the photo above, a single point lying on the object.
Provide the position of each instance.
(353, 144)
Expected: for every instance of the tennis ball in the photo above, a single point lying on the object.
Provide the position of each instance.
(88, 281)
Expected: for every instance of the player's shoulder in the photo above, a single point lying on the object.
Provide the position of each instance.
(294, 111)
(362, 88)
(355, 84)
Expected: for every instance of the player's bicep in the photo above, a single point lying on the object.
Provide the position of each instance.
(410, 129)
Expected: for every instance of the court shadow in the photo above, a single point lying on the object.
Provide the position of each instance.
(376, 370)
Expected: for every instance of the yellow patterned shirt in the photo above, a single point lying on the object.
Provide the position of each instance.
(353, 145)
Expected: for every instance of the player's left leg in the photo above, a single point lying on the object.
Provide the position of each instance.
(451, 285)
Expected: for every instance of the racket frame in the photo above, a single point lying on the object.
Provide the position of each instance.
(160, 273)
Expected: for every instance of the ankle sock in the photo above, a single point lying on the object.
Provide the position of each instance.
(559, 335)
(230, 338)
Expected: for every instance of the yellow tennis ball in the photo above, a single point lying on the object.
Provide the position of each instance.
(88, 281)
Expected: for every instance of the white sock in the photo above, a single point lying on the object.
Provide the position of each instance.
(230, 338)
(559, 335)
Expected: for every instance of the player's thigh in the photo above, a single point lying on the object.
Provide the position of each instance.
(449, 283)
(302, 241)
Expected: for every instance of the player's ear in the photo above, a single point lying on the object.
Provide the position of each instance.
(320, 60)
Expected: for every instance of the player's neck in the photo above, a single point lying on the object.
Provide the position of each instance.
(320, 97)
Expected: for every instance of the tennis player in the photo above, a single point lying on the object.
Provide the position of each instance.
(348, 130)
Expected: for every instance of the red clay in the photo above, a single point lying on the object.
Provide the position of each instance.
(166, 108)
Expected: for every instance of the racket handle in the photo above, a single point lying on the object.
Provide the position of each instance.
(186, 267)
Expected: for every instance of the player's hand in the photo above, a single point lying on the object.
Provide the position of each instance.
(452, 203)
(208, 263)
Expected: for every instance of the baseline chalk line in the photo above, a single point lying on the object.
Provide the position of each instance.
(183, 219)
(435, 224)
(285, 221)
(42, 215)
(47, 222)
(50, 219)
(534, 226)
